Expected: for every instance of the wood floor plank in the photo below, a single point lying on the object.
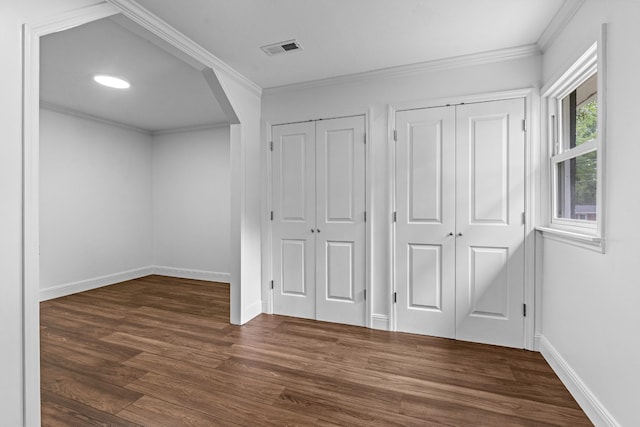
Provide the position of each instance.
(159, 351)
(150, 411)
(216, 402)
(60, 412)
(204, 377)
(85, 389)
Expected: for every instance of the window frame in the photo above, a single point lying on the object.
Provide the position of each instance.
(581, 232)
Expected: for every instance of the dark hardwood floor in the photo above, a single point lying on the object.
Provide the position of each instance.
(159, 351)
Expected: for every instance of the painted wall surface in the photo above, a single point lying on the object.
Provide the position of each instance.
(95, 199)
(191, 200)
(590, 300)
(246, 206)
(342, 99)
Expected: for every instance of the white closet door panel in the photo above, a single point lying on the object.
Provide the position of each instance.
(340, 206)
(293, 248)
(425, 206)
(490, 205)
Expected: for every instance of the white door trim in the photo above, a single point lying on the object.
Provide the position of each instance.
(532, 192)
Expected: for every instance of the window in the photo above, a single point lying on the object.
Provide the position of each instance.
(574, 117)
(575, 159)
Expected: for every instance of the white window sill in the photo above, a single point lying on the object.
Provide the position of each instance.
(574, 238)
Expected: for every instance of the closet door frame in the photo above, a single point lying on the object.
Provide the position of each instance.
(267, 203)
(532, 289)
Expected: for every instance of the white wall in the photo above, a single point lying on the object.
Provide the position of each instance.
(95, 201)
(246, 199)
(191, 214)
(590, 300)
(340, 99)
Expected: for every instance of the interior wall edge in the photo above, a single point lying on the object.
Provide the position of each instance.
(587, 400)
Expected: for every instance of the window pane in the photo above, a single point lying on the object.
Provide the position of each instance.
(577, 183)
(580, 114)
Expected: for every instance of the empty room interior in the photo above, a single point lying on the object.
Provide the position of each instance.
(319, 213)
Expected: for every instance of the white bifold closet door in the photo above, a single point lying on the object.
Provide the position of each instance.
(318, 228)
(459, 247)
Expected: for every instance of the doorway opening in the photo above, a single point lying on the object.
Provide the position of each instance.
(168, 40)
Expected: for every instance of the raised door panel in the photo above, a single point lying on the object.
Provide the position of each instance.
(488, 285)
(293, 245)
(425, 204)
(338, 174)
(340, 271)
(425, 277)
(293, 267)
(425, 171)
(490, 204)
(488, 169)
(292, 153)
(340, 234)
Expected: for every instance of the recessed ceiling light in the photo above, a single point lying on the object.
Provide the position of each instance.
(111, 81)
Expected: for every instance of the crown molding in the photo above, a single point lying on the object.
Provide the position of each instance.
(151, 22)
(196, 128)
(558, 23)
(415, 69)
(81, 115)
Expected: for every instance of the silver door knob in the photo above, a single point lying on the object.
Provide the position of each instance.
(313, 231)
(318, 230)
(459, 234)
(451, 233)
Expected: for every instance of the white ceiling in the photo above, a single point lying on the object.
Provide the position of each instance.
(341, 37)
(166, 93)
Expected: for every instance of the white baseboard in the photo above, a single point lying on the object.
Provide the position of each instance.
(380, 321)
(183, 273)
(96, 282)
(251, 311)
(265, 307)
(589, 403)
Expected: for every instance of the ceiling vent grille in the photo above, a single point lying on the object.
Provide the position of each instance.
(281, 47)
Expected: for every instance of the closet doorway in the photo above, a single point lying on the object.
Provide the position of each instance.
(459, 222)
(318, 220)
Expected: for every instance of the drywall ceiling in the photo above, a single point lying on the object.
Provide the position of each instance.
(341, 37)
(166, 92)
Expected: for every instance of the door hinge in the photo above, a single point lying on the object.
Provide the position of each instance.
(524, 310)
(272, 284)
(395, 216)
(395, 297)
(365, 294)
(271, 215)
(524, 218)
(524, 125)
(365, 216)
(395, 134)
(365, 138)
(271, 145)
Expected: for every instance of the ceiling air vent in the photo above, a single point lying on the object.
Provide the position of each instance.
(281, 47)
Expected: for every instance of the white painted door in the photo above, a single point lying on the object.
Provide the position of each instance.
(340, 222)
(293, 243)
(318, 236)
(490, 209)
(459, 233)
(425, 221)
